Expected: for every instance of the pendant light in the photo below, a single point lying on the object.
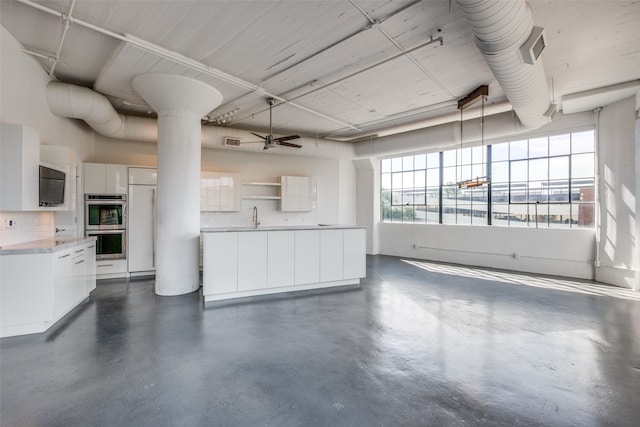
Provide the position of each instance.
(478, 94)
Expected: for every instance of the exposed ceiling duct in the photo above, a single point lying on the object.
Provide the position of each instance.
(66, 100)
(442, 137)
(511, 45)
(77, 102)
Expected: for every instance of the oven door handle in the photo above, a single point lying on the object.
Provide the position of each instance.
(95, 232)
(125, 223)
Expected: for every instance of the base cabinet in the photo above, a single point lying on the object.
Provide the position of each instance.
(250, 263)
(37, 290)
(355, 249)
(62, 282)
(307, 258)
(331, 255)
(281, 250)
(220, 272)
(111, 268)
(90, 268)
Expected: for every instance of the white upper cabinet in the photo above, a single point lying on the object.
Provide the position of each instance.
(100, 178)
(298, 194)
(143, 176)
(19, 163)
(220, 192)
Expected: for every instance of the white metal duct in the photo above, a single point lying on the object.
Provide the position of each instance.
(77, 102)
(501, 29)
(442, 137)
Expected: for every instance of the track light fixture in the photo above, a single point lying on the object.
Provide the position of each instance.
(221, 119)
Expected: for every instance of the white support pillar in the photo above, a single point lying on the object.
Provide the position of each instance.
(180, 103)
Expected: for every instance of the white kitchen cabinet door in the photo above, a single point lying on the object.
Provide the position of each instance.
(19, 166)
(90, 268)
(26, 291)
(331, 255)
(94, 178)
(252, 261)
(355, 261)
(230, 192)
(220, 270)
(281, 259)
(220, 192)
(78, 266)
(141, 229)
(101, 178)
(143, 176)
(297, 194)
(209, 192)
(116, 179)
(307, 257)
(62, 281)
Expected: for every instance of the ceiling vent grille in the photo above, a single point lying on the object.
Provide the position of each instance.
(231, 142)
(533, 47)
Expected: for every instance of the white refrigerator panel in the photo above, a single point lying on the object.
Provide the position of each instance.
(141, 228)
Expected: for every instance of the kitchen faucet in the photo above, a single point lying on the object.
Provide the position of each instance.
(256, 223)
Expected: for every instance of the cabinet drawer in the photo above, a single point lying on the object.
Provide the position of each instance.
(111, 266)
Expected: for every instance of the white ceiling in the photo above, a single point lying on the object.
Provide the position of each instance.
(346, 68)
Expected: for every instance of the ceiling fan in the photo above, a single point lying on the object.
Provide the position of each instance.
(270, 141)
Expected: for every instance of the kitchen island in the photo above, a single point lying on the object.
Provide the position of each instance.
(243, 262)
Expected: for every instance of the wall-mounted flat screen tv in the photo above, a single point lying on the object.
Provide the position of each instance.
(51, 187)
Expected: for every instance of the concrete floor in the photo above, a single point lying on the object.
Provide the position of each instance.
(418, 344)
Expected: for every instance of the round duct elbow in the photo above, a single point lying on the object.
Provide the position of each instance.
(79, 102)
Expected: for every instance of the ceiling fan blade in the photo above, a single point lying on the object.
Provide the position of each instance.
(287, 138)
(251, 142)
(288, 144)
(259, 136)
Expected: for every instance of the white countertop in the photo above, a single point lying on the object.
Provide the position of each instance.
(279, 228)
(45, 245)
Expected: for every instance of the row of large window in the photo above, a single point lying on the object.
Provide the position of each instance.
(538, 182)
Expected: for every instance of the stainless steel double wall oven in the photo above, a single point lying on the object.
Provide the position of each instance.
(106, 219)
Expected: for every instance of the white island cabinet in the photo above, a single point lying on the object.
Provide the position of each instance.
(252, 262)
(245, 262)
(280, 266)
(307, 256)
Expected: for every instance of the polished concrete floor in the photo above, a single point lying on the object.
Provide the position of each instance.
(418, 344)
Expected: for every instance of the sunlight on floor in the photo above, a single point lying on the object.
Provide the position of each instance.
(556, 283)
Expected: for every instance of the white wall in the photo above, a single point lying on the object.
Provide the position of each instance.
(335, 179)
(23, 100)
(368, 200)
(562, 252)
(618, 251)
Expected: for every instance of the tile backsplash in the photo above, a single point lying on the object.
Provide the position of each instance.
(26, 226)
(268, 214)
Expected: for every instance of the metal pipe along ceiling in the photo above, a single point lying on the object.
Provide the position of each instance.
(501, 28)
